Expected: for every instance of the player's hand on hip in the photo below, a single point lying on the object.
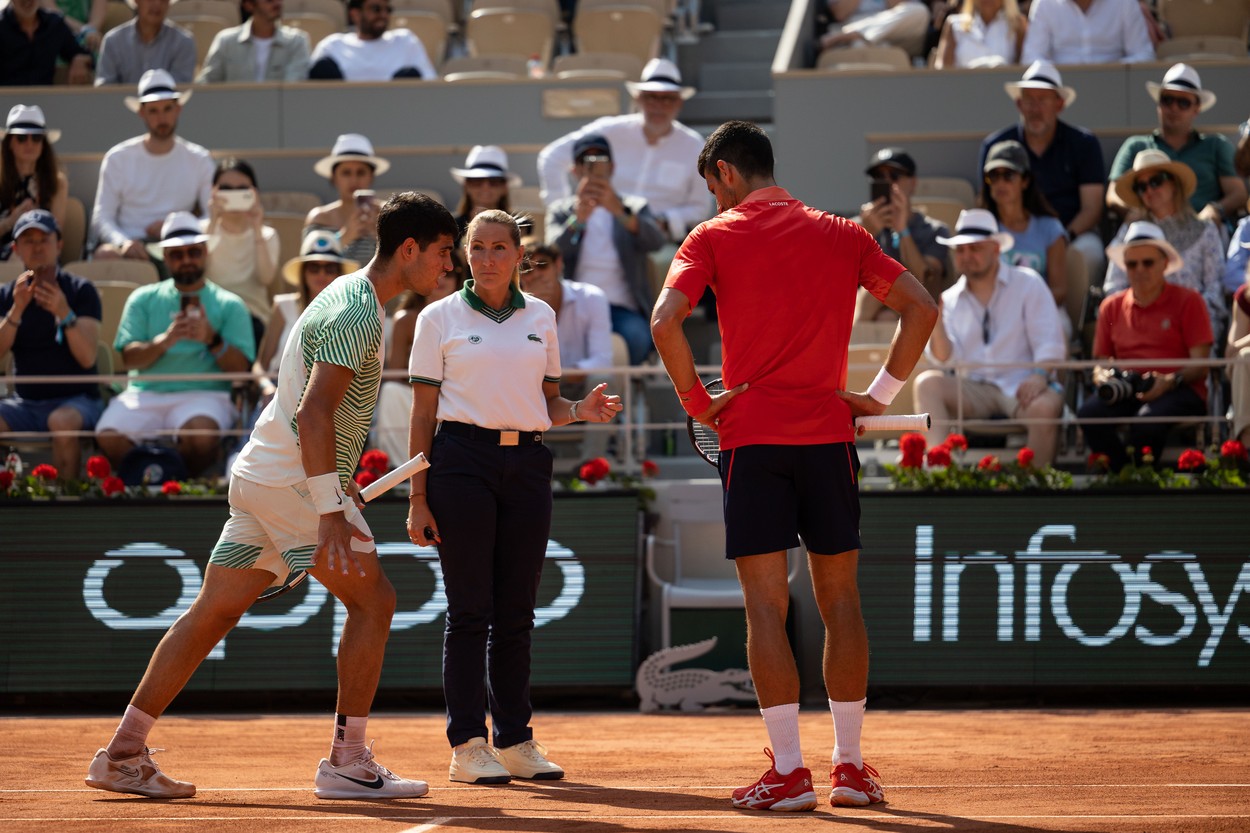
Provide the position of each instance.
(600, 406)
(861, 404)
(720, 401)
(334, 543)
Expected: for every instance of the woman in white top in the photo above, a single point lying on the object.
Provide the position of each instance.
(242, 250)
(985, 33)
(486, 365)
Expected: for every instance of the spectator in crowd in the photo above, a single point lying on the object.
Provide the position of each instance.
(374, 51)
(242, 250)
(260, 49)
(1237, 267)
(1087, 32)
(654, 155)
(1159, 190)
(985, 33)
(1065, 160)
(1219, 192)
(1154, 319)
(1011, 194)
(351, 168)
(604, 237)
(50, 322)
(31, 41)
(995, 312)
(900, 23)
(485, 180)
(183, 325)
(1239, 349)
(584, 324)
(145, 43)
(144, 179)
(29, 175)
(906, 235)
(85, 19)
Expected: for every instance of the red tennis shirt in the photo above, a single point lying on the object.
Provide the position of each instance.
(1174, 322)
(785, 277)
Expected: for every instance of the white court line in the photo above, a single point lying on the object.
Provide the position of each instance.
(860, 814)
(429, 825)
(697, 787)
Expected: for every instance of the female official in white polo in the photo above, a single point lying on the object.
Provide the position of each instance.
(485, 369)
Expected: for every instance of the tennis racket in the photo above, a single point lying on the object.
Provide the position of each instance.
(707, 442)
(380, 486)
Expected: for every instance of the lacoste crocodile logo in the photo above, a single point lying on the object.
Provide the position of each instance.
(533, 337)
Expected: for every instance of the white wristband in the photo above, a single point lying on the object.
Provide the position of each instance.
(573, 417)
(326, 493)
(885, 387)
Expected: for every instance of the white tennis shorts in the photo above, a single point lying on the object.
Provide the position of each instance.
(274, 528)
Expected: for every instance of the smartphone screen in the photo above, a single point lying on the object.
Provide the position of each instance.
(880, 189)
(597, 166)
(238, 200)
(190, 303)
(363, 197)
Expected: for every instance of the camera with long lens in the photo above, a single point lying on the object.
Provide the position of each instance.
(1122, 384)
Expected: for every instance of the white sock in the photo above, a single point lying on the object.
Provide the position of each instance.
(131, 736)
(848, 720)
(782, 723)
(349, 739)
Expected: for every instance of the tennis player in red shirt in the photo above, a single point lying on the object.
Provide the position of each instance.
(785, 277)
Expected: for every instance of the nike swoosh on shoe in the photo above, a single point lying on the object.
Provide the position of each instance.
(373, 785)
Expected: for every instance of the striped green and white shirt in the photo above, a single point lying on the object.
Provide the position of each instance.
(342, 326)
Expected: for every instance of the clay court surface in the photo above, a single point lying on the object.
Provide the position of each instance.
(956, 770)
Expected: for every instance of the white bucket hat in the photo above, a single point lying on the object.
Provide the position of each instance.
(976, 225)
(181, 228)
(485, 162)
(156, 85)
(660, 75)
(351, 147)
(28, 120)
(1143, 233)
(1041, 75)
(318, 245)
(1184, 79)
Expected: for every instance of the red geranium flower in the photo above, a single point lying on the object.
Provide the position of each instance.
(957, 442)
(1234, 449)
(1191, 459)
(1147, 451)
(171, 487)
(44, 472)
(912, 446)
(592, 471)
(375, 460)
(649, 468)
(364, 478)
(939, 456)
(6, 480)
(1025, 457)
(98, 467)
(989, 463)
(1098, 462)
(112, 486)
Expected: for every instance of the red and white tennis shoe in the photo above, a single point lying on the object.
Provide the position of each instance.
(788, 793)
(137, 774)
(855, 787)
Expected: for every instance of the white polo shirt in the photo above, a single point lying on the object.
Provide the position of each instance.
(378, 59)
(489, 365)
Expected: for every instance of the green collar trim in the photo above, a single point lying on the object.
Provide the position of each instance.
(516, 301)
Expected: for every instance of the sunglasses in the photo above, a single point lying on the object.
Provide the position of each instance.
(1144, 263)
(892, 174)
(985, 327)
(1141, 186)
(177, 253)
(1177, 101)
(23, 138)
(1004, 174)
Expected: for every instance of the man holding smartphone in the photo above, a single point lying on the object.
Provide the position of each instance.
(50, 320)
(185, 325)
(604, 238)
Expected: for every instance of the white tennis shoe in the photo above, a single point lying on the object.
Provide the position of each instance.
(528, 760)
(138, 774)
(477, 762)
(364, 778)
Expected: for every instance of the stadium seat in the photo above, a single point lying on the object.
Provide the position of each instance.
(1078, 288)
(289, 202)
(10, 269)
(203, 29)
(335, 10)
(74, 230)
(630, 28)
(511, 31)
(1186, 18)
(315, 24)
(138, 272)
(952, 187)
(484, 67)
(1202, 48)
(290, 229)
(113, 295)
(607, 65)
(450, 10)
(115, 15)
(864, 58)
(181, 10)
(429, 27)
(942, 209)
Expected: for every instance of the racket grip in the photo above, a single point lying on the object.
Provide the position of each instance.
(898, 422)
(392, 478)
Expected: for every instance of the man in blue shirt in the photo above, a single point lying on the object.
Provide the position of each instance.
(182, 326)
(51, 320)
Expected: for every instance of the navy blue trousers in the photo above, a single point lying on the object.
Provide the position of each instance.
(1105, 438)
(492, 505)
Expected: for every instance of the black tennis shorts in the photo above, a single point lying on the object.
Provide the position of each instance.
(776, 493)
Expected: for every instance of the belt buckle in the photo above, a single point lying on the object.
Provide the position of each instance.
(509, 437)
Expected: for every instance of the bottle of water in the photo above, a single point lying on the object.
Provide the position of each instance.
(534, 66)
(13, 463)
